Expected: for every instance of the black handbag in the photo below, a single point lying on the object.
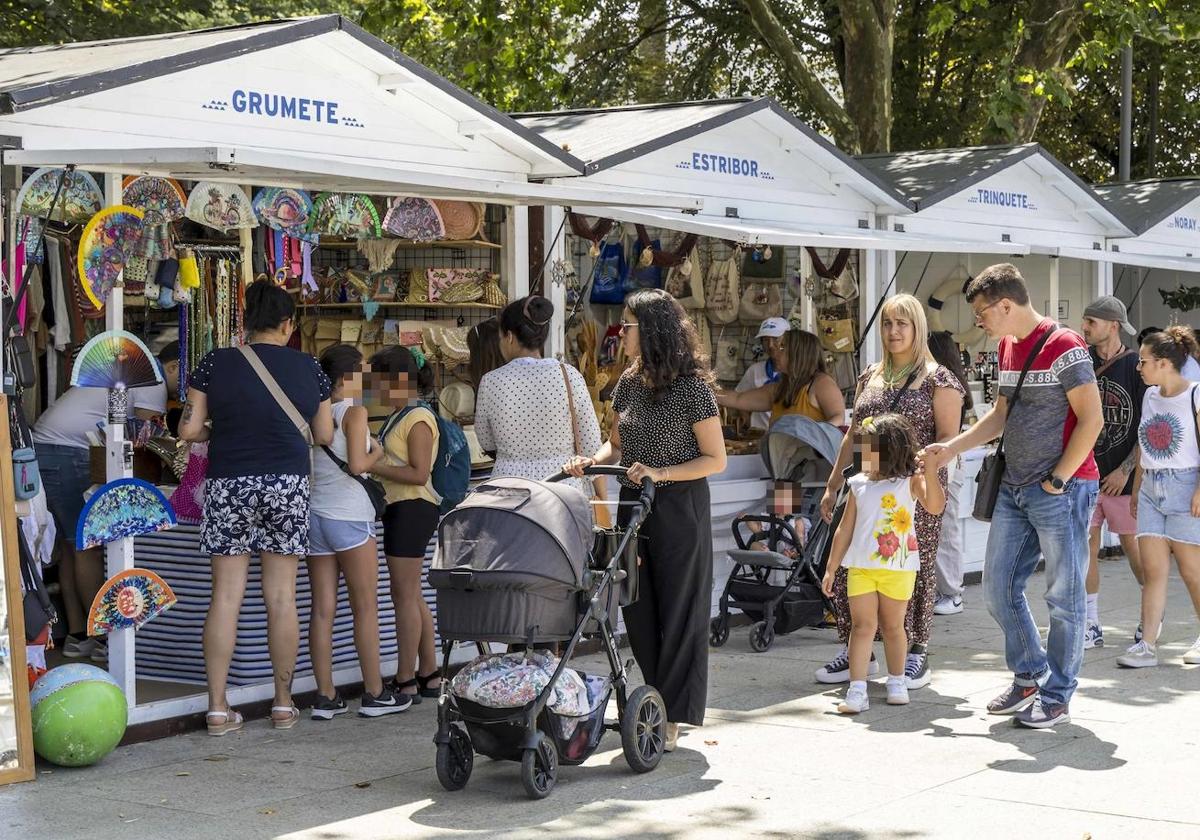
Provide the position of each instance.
(36, 605)
(991, 472)
(373, 486)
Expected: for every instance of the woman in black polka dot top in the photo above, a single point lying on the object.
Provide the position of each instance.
(667, 428)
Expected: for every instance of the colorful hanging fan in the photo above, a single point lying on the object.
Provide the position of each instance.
(108, 240)
(115, 359)
(224, 207)
(81, 196)
(415, 218)
(129, 599)
(161, 200)
(461, 219)
(345, 214)
(285, 209)
(126, 507)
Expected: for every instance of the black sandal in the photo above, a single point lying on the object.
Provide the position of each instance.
(424, 681)
(398, 688)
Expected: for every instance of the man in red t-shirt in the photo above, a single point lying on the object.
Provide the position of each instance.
(1049, 489)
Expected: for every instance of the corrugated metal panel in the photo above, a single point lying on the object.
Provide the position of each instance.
(1143, 204)
(597, 134)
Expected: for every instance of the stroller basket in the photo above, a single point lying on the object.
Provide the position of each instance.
(802, 605)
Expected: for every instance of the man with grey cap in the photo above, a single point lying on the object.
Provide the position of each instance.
(770, 333)
(1121, 390)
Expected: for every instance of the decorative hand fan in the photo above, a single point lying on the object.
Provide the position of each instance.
(129, 599)
(285, 209)
(81, 196)
(224, 207)
(345, 214)
(109, 238)
(461, 219)
(115, 359)
(126, 507)
(161, 199)
(414, 218)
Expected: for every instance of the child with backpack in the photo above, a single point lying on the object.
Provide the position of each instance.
(877, 542)
(425, 470)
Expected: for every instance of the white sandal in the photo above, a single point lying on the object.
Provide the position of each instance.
(230, 721)
(287, 722)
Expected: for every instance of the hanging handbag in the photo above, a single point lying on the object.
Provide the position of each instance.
(608, 275)
(836, 334)
(645, 273)
(766, 262)
(759, 302)
(36, 604)
(721, 284)
(991, 472)
(728, 359)
(685, 282)
(26, 479)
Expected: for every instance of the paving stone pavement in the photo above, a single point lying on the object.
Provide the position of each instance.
(773, 760)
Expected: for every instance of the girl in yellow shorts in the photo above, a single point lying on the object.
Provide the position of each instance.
(877, 543)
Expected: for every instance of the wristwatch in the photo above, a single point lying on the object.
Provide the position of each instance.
(1054, 481)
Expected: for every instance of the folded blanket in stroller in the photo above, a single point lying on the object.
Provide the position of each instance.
(510, 680)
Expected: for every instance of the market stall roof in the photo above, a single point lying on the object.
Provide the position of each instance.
(319, 85)
(750, 153)
(1144, 204)
(1013, 193)
(1165, 215)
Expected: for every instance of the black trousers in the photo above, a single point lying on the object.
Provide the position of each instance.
(668, 624)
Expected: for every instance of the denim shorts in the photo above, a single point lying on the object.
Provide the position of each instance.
(329, 536)
(66, 475)
(1165, 505)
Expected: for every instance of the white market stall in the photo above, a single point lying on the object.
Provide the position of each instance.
(766, 179)
(314, 104)
(1021, 195)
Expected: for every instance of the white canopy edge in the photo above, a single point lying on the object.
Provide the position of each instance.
(762, 232)
(1126, 258)
(266, 168)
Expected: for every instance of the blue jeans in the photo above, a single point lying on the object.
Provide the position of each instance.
(1030, 523)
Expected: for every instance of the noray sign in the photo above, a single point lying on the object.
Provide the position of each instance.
(282, 106)
(1002, 198)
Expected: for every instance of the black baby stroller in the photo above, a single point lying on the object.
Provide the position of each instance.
(802, 451)
(519, 562)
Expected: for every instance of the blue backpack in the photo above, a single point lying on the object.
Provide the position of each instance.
(451, 471)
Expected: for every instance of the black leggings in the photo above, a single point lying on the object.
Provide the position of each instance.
(668, 624)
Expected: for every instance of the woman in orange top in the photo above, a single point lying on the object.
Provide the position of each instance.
(804, 388)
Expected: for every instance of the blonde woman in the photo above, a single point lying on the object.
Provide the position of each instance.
(804, 387)
(911, 383)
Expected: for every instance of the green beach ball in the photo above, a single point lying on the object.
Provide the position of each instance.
(79, 715)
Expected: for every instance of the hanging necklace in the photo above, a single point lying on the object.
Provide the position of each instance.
(893, 377)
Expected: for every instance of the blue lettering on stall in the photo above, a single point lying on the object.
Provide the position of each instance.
(725, 165)
(1002, 198)
(1184, 223)
(283, 107)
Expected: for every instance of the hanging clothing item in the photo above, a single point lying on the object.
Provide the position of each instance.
(380, 253)
(61, 333)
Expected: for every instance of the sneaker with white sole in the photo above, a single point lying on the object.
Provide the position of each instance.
(386, 703)
(1043, 715)
(325, 709)
(1192, 657)
(1013, 699)
(1140, 655)
(837, 670)
(948, 605)
(74, 648)
(1094, 637)
(916, 668)
(856, 701)
(897, 691)
(100, 653)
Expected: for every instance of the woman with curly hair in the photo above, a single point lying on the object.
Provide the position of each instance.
(667, 428)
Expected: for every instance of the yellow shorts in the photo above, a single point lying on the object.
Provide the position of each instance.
(887, 582)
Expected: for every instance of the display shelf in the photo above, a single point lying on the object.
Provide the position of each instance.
(397, 305)
(441, 243)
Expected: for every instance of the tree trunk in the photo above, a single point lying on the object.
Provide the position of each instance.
(869, 29)
(650, 82)
(1050, 28)
(796, 67)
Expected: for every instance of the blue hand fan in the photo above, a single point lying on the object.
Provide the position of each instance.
(126, 507)
(115, 359)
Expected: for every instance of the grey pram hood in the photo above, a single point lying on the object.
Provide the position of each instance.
(798, 448)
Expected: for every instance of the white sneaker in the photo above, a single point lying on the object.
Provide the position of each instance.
(856, 701)
(1192, 657)
(948, 605)
(1139, 655)
(897, 691)
(1094, 637)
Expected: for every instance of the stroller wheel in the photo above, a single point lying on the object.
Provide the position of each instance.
(761, 636)
(539, 768)
(644, 729)
(455, 760)
(718, 631)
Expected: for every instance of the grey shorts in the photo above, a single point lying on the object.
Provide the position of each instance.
(1165, 505)
(329, 536)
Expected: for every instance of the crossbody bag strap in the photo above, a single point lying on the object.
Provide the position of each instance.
(289, 408)
(1100, 371)
(571, 405)
(907, 384)
(1195, 419)
(1037, 348)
